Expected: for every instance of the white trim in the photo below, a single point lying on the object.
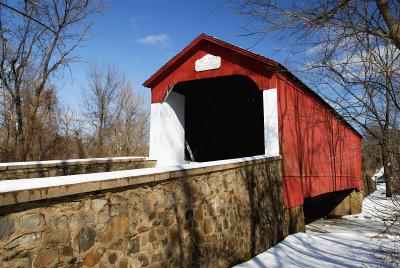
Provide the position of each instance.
(167, 130)
(271, 127)
(154, 129)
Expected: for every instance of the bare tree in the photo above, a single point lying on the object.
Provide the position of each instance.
(45, 132)
(351, 55)
(314, 20)
(360, 85)
(71, 133)
(32, 52)
(116, 112)
(131, 129)
(99, 101)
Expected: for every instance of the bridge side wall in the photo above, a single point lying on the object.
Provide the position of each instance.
(212, 216)
(40, 169)
(320, 153)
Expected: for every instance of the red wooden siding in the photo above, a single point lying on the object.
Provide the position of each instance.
(182, 67)
(320, 154)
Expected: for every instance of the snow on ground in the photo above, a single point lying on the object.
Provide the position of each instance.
(362, 240)
(378, 174)
(321, 250)
(376, 207)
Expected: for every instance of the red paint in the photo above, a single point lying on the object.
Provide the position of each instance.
(234, 61)
(321, 152)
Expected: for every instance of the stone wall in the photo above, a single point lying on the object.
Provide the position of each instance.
(351, 203)
(214, 216)
(21, 170)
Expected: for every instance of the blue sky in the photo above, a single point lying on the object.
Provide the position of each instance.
(141, 36)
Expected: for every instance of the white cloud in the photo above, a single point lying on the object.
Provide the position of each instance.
(159, 40)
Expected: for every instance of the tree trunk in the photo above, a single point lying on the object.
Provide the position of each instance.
(26, 146)
(386, 170)
(390, 21)
(19, 135)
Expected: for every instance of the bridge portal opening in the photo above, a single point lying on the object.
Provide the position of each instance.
(223, 118)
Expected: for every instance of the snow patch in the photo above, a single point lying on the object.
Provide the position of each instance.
(377, 206)
(368, 239)
(378, 173)
(322, 250)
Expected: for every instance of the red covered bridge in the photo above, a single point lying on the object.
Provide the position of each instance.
(216, 101)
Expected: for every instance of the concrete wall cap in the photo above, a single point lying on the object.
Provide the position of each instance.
(24, 190)
(69, 162)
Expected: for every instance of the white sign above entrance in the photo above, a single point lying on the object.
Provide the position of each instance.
(208, 62)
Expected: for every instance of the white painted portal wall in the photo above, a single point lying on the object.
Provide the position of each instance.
(167, 130)
(271, 131)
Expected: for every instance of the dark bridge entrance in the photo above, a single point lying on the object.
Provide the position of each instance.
(223, 117)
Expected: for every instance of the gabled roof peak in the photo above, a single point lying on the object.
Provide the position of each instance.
(181, 56)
